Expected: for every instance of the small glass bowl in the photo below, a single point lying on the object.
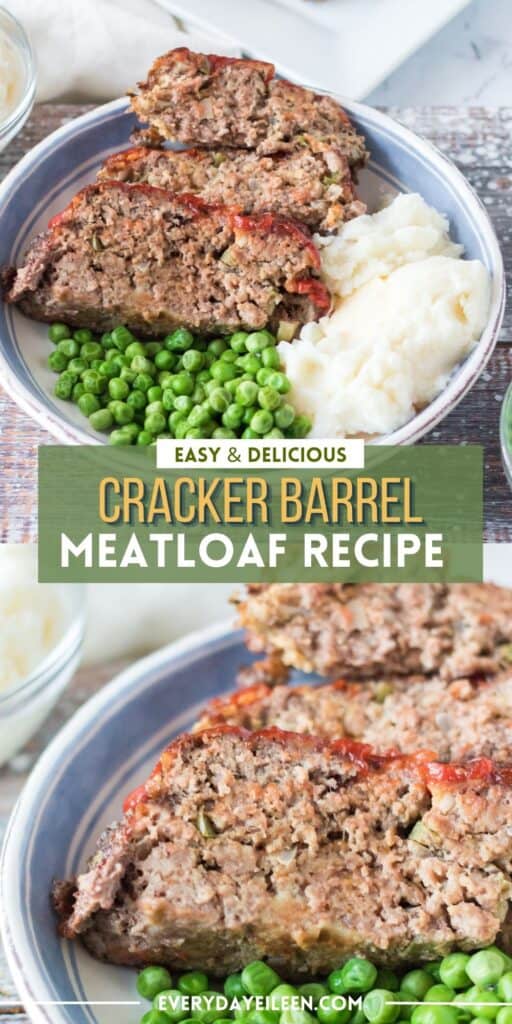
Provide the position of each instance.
(18, 39)
(23, 708)
(506, 433)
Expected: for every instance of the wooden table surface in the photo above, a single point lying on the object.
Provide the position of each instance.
(479, 140)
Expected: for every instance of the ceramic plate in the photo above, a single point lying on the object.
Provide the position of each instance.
(47, 178)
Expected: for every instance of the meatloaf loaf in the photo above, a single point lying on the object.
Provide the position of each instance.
(281, 847)
(372, 629)
(314, 188)
(143, 257)
(208, 101)
(458, 720)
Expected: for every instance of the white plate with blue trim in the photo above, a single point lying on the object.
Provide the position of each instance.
(46, 179)
(75, 790)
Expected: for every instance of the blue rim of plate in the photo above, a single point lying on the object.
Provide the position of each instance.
(34, 400)
(29, 973)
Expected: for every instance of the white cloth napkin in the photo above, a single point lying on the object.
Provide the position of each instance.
(94, 50)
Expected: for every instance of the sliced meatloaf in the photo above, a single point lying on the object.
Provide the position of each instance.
(371, 629)
(281, 847)
(208, 101)
(458, 720)
(314, 188)
(143, 257)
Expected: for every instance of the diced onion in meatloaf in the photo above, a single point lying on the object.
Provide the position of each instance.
(203, 100)
(314, 188)
(273, 846)
(154, 261)
(456, 720)
(369, 629)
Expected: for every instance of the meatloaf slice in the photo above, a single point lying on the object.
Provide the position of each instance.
(459, 720)
(373, 629)
(154, 261)
(203, 100)
(274, 846)
(314, 188)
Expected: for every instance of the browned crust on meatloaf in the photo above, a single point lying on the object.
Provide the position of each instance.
(314, 188)
(209, 101)
(154, 261)
(367, 630)
(463, 719)
(274, 846)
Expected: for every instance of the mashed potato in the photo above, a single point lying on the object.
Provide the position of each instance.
(412, 309)
(406, 231)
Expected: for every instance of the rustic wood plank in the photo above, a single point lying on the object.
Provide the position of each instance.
(13, 777)
(479, 140)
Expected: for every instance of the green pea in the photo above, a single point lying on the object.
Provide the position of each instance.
(179, 341)
(198, 395)
(57, 361)
(280, 382)
(217, 346)
(57, 332)
(300, 427)
(262, 376)
(172, 1003)
(122, 337)
(479, 998)
(155, 423)
(297, 1017)
(259, 979)
(313, 991)
(118, 389)
(78, 391)
(223, 433)
(141, 364)
(232, 417)
(164, 360)
(452, 970)
(281, 995)
(181, 428)
(416, 983)
(102, 419)
(175, 418)
(153, 407)
(119, 361)
(485, 967)
(251, 364)
(269, 398)
(222, 371)
(106, 340)
(193, 361)
(106, 368)
(504, 1015)
(120, 437)
(88, 403)
(250, 435)
(505, 987)
(262, 421)
(211, 1005)
(193, 982)
(91, 350)
(122, 412)
(386, 978)
(164, 379)
(153, 980)
(183, 383)
(69, 347)
(144, 438)
(93, 382)
(284, 417)
(270, 359)
(143, 382)
(155, 393)
(237, 342)
(154, 1017)
(95, 364)
(379, 1006)
(218, 399)
(203, 377)
(263, 1017)
(258, 341)
(439, 994)
(430, 1013)
(83, 336)
(433, 968)
(209, 359)
(137, 399)
(64, 387)
(331, 1009)
(229, 356)
(199, 416)
(152, 348)
(246, 393)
